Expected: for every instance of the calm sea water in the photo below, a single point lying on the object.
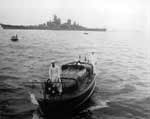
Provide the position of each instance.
(123, 71)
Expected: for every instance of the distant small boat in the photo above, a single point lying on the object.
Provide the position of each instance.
(85, 33)
(14, 38)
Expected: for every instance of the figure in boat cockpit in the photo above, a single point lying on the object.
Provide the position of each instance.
(79, 60)
(54, 75)
(93, 60)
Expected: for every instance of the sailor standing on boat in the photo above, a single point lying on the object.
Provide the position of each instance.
(54, 75)
(92, 60)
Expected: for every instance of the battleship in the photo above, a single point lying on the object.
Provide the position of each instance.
(55, 24)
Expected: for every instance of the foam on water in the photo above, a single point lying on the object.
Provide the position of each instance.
(102, 104)
(33, 99)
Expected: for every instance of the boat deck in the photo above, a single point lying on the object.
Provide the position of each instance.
(79, 73)
(82, 73)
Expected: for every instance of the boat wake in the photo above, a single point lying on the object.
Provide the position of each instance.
(102, 105)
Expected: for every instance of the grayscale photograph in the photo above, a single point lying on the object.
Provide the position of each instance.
(74, 59)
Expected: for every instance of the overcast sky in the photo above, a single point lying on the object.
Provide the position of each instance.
(113, 14)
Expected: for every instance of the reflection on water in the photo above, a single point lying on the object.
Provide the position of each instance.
(123, 71)
(84, 112)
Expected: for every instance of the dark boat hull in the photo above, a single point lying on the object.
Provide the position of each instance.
(69, 104)
(21, 27)
(14, 39)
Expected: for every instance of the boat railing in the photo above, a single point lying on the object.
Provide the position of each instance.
(43, 82)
